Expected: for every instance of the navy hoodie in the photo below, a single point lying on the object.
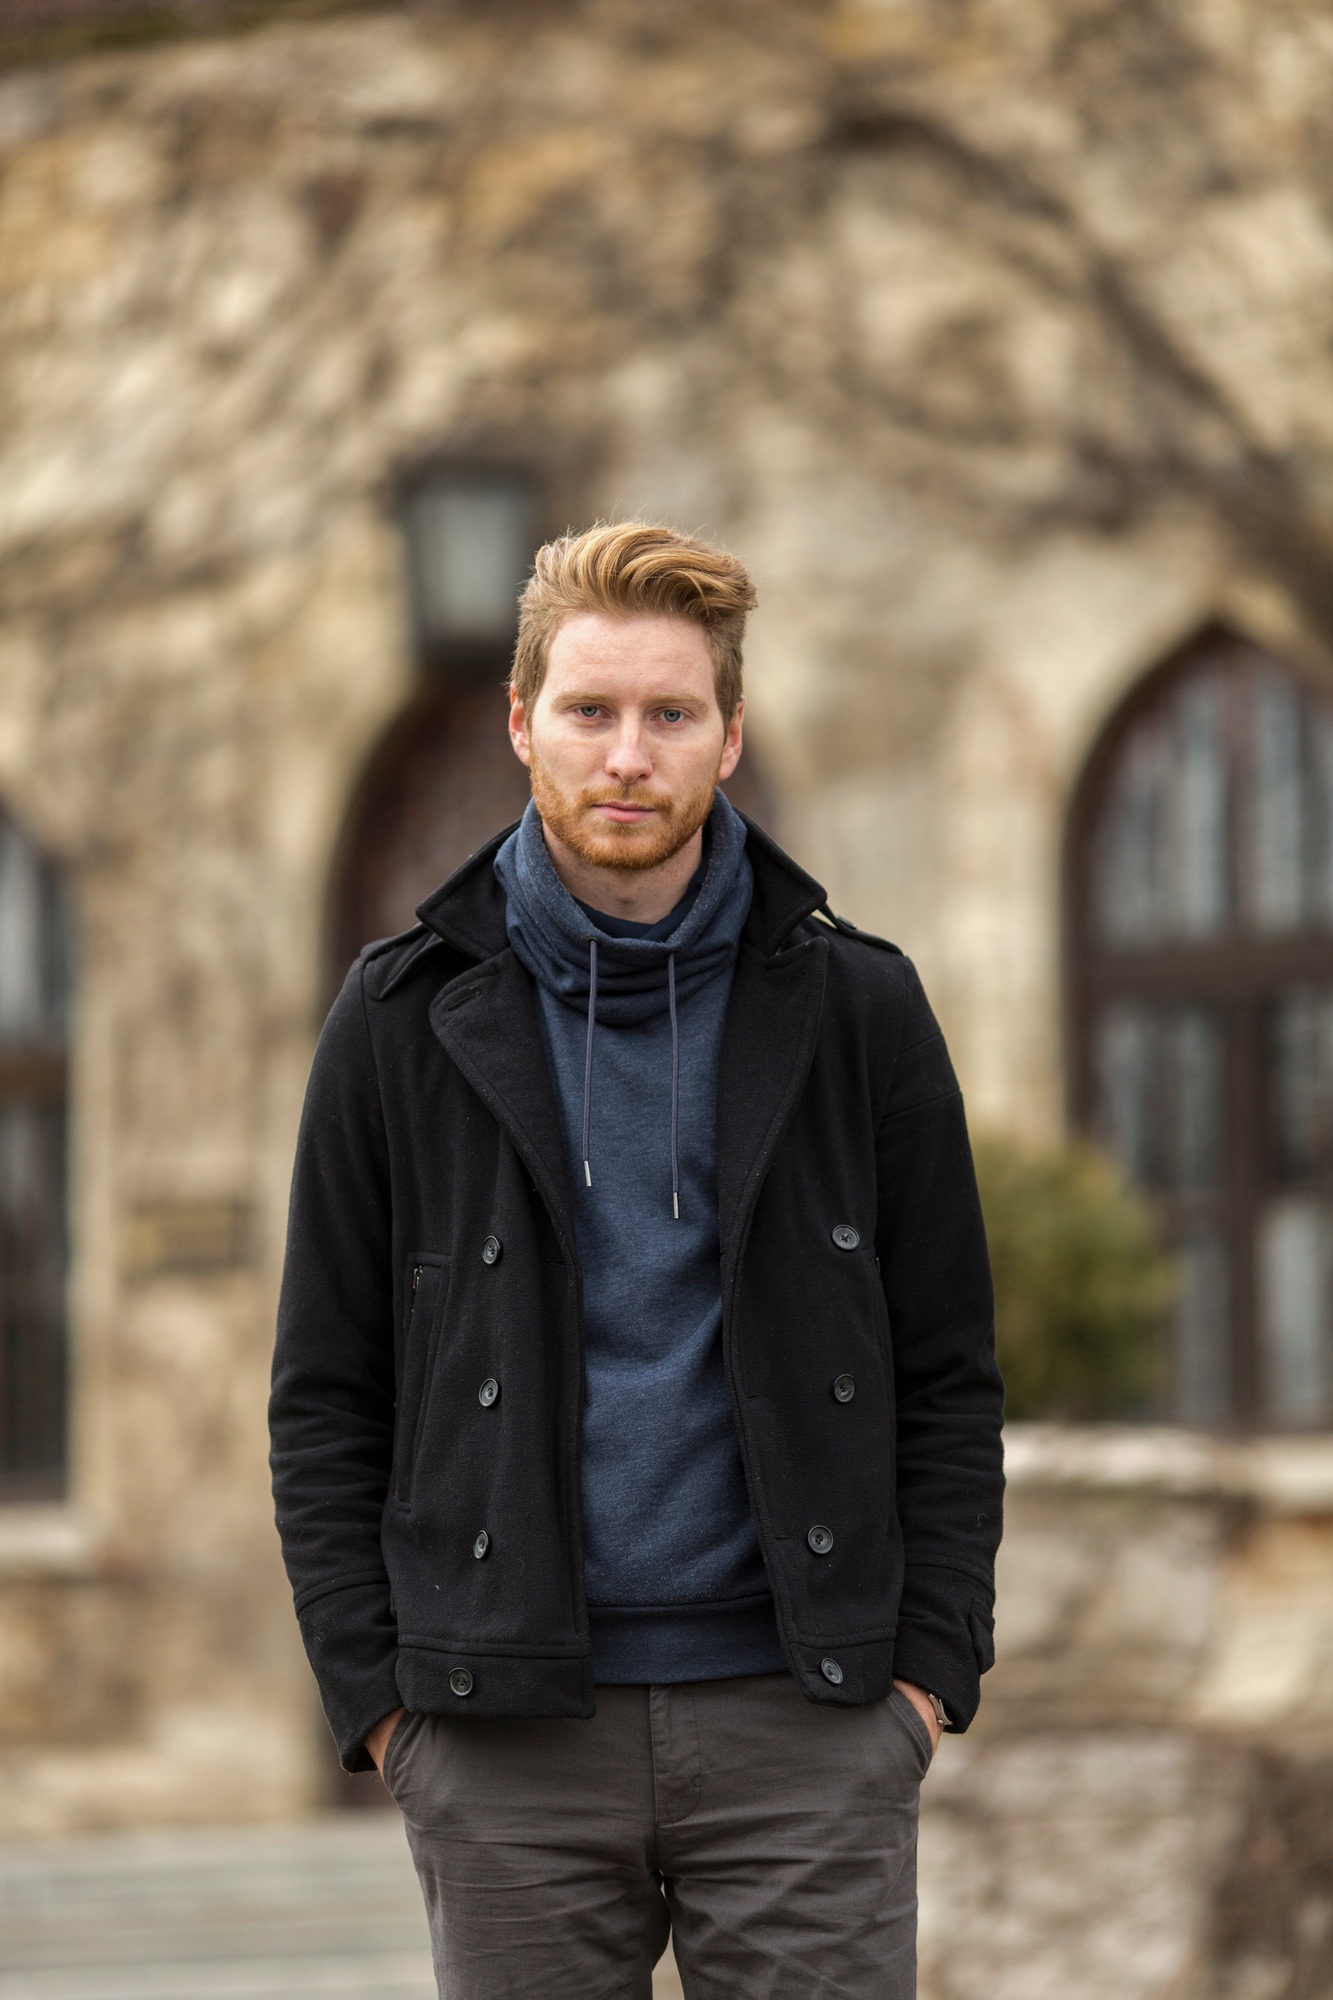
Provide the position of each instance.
(676, 1585)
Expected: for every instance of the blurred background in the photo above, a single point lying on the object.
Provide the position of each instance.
(997, 337)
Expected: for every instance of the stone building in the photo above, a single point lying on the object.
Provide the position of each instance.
(998, 337)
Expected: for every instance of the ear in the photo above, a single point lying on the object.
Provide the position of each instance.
(518, 729)
(731, 744)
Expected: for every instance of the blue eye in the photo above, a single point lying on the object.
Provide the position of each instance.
(672, 714)
(588, 708)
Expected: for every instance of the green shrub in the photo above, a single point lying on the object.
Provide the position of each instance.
(1082, 1282)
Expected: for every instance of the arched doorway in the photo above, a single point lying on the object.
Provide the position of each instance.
(1200, 932)
(443, 779)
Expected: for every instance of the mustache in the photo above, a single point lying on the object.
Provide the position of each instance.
(626, 795)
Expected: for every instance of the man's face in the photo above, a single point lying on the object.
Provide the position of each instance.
(625, 741)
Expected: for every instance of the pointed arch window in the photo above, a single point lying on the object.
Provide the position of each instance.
(1201, 963)
(34, 1031)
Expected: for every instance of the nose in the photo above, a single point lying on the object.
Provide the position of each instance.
(627, 757)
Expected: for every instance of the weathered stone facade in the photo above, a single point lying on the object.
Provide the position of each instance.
(1144, 1808)
(996, 337)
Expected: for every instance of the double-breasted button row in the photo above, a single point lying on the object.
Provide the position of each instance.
(820, 1539)
(489, 1393)
(844, 1387)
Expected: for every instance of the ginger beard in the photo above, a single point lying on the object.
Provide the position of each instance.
(604, 844)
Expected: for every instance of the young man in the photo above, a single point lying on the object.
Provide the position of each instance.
(636, 1425)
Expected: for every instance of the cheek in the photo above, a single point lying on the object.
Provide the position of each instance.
(567, 754)
(694, 756)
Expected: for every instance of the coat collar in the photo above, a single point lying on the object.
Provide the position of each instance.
(468, 910)
(774, 1011)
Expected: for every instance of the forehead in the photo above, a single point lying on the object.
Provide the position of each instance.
(649, 654)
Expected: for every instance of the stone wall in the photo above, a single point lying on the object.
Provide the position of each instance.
(995, 336)
(1145, 1807)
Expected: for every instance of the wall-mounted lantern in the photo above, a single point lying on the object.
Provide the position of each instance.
(470, 537)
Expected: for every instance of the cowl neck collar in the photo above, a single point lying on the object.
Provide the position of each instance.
(552, 934)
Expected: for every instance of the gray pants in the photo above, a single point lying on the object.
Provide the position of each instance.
(774, 1840)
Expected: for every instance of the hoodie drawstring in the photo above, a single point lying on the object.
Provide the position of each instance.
(675, 1073)
(675, 1085)
(587, 1061)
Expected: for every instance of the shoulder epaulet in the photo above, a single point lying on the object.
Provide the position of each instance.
(387, 962)
(841, 924)
(379, 946)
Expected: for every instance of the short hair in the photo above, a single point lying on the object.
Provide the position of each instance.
(635, 569)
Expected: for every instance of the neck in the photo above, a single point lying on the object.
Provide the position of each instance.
(640, 895)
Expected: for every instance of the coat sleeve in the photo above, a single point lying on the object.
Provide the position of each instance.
(935, 1270)
(331, 1413)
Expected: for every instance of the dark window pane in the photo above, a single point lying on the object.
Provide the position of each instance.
(32, 1289)
(1127, 886)
(1320, 850)
(1295, 1316)
(34, 1004)
(1198, 840)
(1204, 1392)
(1300, 1082)
(34, 979)
(1277, 817)
(1195, 1098)
(1124, 1062)
(1163, 846)
(1160, 1106)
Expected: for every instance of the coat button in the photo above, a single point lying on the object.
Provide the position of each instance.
(844, 1388)
(489, 1392)
(490, 1250)
(460, 1680)
(480, 1546)
(831, 1671)
(820, 1539)
(846, 1237)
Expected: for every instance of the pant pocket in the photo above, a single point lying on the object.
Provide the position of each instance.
(396, 1752)
(915, 1726)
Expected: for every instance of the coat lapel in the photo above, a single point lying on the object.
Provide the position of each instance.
(487, 1022)
(767, 1049)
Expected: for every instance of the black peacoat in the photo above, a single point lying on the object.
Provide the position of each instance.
(428, 1380)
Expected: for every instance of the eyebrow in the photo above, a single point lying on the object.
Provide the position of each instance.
(657, 700)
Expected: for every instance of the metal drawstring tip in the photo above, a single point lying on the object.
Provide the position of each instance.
(675, 1204)
(587, 1173)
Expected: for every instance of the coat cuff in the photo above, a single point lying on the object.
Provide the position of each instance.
(945, 1639)
(351, 1639)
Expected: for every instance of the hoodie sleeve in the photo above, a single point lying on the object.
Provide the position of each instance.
(950, 1399)
(331, 1412)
